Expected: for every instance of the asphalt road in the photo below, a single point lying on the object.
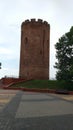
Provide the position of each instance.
(34, 111)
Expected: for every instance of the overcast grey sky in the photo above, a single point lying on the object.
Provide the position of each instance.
(58, 13)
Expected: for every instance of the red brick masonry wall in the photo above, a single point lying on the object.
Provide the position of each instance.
(8, 81)
(34, 55)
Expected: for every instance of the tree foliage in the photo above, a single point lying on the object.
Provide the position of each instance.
(0, 65)
(64, 55)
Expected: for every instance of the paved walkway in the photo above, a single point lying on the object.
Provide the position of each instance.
(34, 111)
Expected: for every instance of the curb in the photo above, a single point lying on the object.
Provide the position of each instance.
(37, 90)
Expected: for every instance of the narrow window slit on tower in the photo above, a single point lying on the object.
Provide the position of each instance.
(48, 44)
(26, 40)
(40, 51)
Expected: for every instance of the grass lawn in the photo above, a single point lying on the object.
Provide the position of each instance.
(45, 84)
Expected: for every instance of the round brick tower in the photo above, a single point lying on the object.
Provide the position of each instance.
(34, 55)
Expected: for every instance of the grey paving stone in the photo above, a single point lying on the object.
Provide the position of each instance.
(5, 123)
(11, 107)
(64, 122)
(7, 115)
(35, 111)
(42, 105)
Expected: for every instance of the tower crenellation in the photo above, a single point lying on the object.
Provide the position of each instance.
(34, 21)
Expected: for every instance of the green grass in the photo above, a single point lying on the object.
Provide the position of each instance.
(45, 84)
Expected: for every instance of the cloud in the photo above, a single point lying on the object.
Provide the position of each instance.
(9, 72)
(5, 51)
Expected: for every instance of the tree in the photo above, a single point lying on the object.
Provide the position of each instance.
(64, 55)
(0, 65)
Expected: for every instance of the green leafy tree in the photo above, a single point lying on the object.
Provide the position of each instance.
(64, 55)
(0, 65)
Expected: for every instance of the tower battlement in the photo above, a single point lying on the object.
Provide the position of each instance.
(34, 21)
